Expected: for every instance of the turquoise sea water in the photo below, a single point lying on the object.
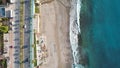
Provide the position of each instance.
(100, 31)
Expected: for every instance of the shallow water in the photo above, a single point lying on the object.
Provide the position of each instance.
(100, 30)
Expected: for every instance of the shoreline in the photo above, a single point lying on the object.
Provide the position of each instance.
(78, 54)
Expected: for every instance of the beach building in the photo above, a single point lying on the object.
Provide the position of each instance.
(6, 48)
(36, 25)
(1, 57)
(6, 45)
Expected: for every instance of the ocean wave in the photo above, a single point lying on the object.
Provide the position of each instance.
(75, 31)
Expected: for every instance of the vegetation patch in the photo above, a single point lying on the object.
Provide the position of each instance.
(35, 56)
(3, 29)
(21, 33)
(3, 63)
(1, 43)
(36, 9)
(35, 62)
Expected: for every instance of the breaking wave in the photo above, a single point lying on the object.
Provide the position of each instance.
(74, 32)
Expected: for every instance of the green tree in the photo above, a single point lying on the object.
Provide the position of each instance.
(4, 19)
(0, 23)
(3, 29)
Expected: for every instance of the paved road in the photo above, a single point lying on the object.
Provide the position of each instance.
(26, 47)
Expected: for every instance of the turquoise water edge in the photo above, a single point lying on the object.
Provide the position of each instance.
(100, 32)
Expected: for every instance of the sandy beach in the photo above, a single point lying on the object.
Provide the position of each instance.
(54, 25)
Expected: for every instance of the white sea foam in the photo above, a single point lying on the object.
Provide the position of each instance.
(75, 30)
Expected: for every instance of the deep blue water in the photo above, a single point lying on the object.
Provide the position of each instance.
(100, 31)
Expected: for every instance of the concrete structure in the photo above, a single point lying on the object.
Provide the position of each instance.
(6, 45)
(32, 34)
(6, 48)
(36, 25)
(3, 2)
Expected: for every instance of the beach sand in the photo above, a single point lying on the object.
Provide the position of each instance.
(54, 24)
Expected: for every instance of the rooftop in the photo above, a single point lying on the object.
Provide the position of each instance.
(3, 2)
(6, 44)
(2, 12)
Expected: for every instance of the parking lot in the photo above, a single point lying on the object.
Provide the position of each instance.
(14, 34)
